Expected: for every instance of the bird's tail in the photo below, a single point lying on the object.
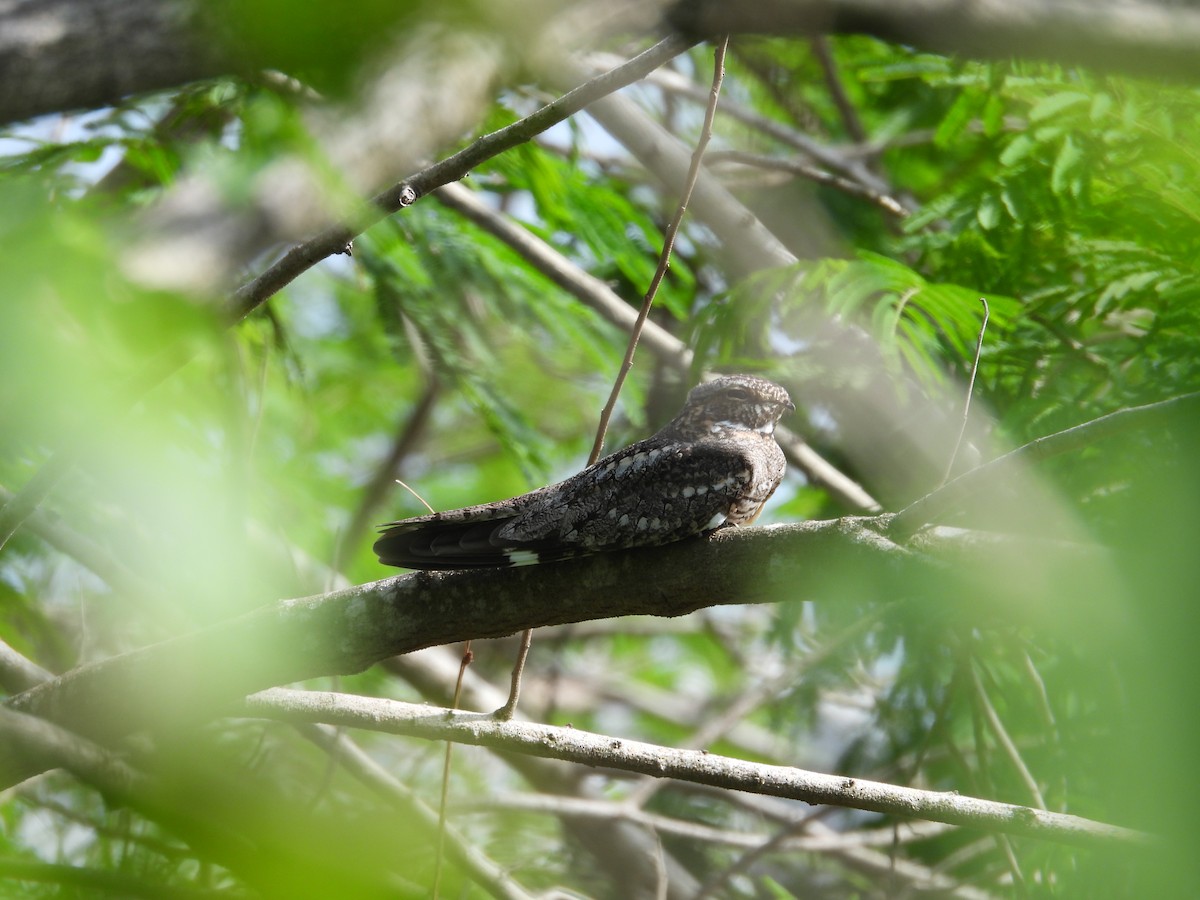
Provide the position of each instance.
(462, 539)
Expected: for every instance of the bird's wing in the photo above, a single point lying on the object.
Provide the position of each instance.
(643, 495)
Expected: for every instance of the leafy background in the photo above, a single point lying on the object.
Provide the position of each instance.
(1066, 198)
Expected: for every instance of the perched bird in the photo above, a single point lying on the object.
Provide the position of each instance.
(714, 464)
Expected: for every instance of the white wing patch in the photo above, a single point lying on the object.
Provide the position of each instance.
(716, 521)
(522, 557)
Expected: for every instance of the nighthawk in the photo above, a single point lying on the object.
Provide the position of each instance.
(714, 464)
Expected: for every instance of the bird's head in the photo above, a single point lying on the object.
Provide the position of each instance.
(733, 403)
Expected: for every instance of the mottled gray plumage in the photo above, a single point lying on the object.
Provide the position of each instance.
(715, 463)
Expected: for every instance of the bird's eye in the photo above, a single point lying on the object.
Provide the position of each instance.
(738, 394)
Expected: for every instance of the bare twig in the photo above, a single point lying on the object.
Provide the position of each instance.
(1003, 738)
(705, 768)
(837, 89)
(932, 506)
(966, 413)
(798, 167)
(509, 709)
(664, 261)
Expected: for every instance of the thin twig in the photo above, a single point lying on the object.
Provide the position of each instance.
(1003, 738)
(970, 391)
(664, 259)
(466, 660)
(509, 709)
(799, 167)
(837, 89)
(932, 506)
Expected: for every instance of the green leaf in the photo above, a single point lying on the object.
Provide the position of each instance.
(1101, 105)
(959, 116)
(1055, 104)
(988, 212)
(1070, 155)
(1015, 203)
(1018, 148)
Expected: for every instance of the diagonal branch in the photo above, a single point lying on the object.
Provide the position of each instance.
(597, 295)
(384, 784)
(333, 240)
(930, 508)
(820, 176)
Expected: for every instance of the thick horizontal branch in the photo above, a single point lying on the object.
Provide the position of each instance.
(1141, 37)
(696, 766)
(59, 54)
(196, 676)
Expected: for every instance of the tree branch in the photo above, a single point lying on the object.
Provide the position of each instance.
(346, 631)
(797, 167)
(1141, 38)
(58, 54)
(930, 508)
(333, 240)
(598, 296)
(484, 871)
(18, 673)
(697, 766)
